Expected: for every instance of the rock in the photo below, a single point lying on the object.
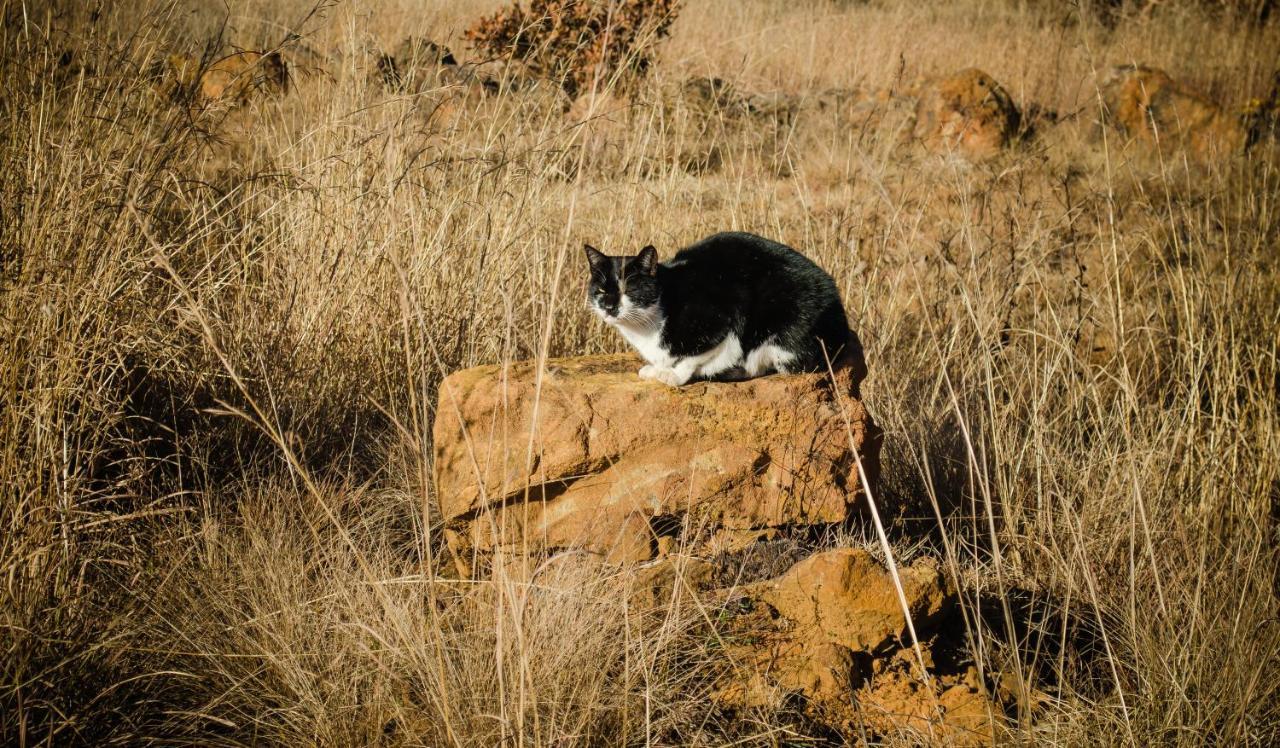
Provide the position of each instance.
(829, 631)
(590, 456)
(968, 113)
(847, 597)
(657, 585)
(710, 93)
(236, 78)
(1147, 105)
(233, 79)
(947, 711)
(415, 64)
(773, 668)
(825, 672)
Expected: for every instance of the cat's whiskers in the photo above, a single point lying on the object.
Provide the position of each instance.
(640, 319)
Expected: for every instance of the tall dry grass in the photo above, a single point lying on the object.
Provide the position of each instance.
(223, 330)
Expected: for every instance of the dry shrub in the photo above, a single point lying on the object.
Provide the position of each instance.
(264, 631)
(583, 44)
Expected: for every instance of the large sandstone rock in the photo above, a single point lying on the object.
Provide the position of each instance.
(1147, 105)
(587, 455)
(968, 113)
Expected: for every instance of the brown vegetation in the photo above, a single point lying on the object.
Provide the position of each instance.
(223, 332)
(583, 44)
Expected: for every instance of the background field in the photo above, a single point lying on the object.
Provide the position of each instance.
(221, 333)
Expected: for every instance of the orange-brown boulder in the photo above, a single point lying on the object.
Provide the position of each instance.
(949, 710)
(847, 597)
(1147, 105)
(584, 454)
(233, 79)
(236, 77)
(968, 113)
(831, 631)
(774, 666)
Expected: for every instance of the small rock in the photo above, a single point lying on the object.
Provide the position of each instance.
(899, 705)
(711, 93)
(968, 113)
(415, 64)
(846, 596)
(233, 79)
(836, 608)
(825, 673)
(970, 717)
(1147, 105)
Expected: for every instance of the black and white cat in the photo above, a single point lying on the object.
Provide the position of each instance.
(731, 307)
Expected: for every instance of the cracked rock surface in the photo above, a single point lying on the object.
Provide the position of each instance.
(588, 456)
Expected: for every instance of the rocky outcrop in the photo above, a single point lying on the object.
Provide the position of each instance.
(584, 454)
(832, 631)
(687, 488)
(968, 113)
(1148, 106)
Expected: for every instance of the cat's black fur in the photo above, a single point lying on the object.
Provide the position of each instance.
(761, 292)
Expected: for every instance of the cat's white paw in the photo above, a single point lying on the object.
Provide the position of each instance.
(669, 377)
(647, 371)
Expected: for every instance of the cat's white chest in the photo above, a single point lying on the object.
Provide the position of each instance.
(648, 343)
(643, 330)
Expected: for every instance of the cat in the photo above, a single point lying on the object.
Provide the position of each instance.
(731, 307)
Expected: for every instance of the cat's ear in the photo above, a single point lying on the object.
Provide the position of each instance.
(595, 258)
(647, 260)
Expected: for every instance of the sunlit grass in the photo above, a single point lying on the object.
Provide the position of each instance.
(222, 332)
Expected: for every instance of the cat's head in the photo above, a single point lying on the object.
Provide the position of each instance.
(623, 288)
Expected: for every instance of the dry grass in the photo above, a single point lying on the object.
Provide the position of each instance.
(221, 332)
